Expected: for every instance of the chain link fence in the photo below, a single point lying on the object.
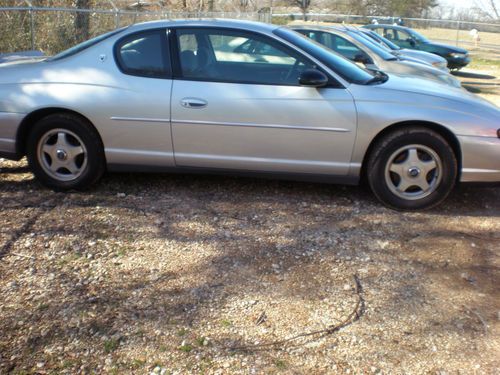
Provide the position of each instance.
(52, 30)
(458, 33)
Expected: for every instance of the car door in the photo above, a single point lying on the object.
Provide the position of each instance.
(236, 107)
(137, 119)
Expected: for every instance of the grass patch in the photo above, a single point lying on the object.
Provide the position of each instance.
(111, 345)
(182, 332)
(480, 62)
(137, 363)
(226, 323)
(43, 306)
(280, 364)
(186, 348)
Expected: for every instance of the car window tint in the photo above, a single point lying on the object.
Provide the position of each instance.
(344, 47)
(390, 34)
(240, 57)
(187, 42)
(334, 42)
(144, 54)
(402, 35)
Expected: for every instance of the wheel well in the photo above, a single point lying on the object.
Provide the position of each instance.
(31, 119)
(441, 130)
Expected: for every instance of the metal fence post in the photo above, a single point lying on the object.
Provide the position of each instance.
(117, 19)
(32, 28)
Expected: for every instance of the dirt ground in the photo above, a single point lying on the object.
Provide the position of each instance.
(177, 274)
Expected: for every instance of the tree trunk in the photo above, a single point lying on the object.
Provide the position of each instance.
(82, 21)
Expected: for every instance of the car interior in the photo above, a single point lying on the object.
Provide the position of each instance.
(216, 56)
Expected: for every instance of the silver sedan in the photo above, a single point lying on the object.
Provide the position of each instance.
(242, 97)
(354, 45)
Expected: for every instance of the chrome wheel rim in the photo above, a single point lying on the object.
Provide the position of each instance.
(413, 172)
(62, 154)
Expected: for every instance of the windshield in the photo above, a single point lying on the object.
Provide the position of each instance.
(382, 40)
(339, 64)
(82, 46)
(418, 37)
(373, 46)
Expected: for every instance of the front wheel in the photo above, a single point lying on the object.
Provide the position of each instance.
(65, 152)
(411, 169)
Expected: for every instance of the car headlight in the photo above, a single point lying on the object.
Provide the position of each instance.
(458, 55)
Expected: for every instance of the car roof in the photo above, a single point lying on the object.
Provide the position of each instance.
(398, 27)
(213, 22)
(320, 27)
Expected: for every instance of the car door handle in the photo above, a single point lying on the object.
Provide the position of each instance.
(193, 103)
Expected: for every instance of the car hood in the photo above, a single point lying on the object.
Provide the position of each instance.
(421, 55)
(420, 69)
(424, 92)
(451, 49)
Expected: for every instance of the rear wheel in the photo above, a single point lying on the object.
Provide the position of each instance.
(65, 152)
(411, 169)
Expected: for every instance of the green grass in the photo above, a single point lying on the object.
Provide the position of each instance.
(226, 323)
(186, 348)
(479, 62)
(182, 332)
(137, 363)
(200, 340)
(110, 345)
(280, 364)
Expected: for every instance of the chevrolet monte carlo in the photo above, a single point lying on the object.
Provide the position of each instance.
(241, 97)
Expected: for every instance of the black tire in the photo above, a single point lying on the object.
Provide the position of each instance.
(77, 133)
(396, 151)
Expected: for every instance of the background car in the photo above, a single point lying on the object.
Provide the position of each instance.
(408, 38)
(430, 58)
(353, 45)
(242, 97)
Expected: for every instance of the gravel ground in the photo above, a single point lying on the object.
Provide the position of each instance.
(175, 274)
(170, 273)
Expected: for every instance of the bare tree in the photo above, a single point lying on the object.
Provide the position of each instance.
(304, 7)
(82, 21)
(490, 8)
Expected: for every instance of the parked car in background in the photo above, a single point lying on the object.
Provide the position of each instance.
(353, 45)
(408, 38)
(430, 58)
(243, 97)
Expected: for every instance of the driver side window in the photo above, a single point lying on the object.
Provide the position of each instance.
(239, 57)
(403, 35)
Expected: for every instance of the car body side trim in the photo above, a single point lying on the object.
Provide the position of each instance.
(254, 125)
(139, 119)
(262, 161)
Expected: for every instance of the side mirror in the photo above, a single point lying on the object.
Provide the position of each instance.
(362, 58)
(313, 78)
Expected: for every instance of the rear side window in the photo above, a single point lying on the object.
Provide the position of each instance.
(144, 54)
